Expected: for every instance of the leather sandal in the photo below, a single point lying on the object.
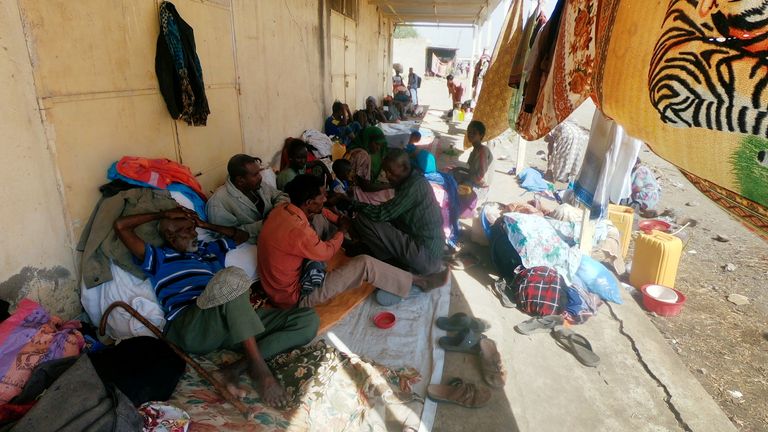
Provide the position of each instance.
(460, 321)
(491, 366)
(460, 393)
(464, 341)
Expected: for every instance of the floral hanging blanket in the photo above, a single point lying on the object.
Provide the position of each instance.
(567, 81)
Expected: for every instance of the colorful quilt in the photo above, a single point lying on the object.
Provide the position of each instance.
(331, 392)
(29, 337)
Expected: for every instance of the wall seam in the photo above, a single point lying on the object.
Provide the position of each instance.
(50, 143)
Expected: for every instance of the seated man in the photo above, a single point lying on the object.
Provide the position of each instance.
(297, 153)
(243, 201)
(301, 161)
(288, 242)
(208, 307)
(341, 124)
(408, 228)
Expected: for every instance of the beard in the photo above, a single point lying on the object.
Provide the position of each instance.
(192, 246)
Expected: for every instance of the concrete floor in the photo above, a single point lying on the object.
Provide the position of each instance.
(640, 384)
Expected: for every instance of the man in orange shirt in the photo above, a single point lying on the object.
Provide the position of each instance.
(288, 239)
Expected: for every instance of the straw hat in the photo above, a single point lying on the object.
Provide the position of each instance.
(225, 286)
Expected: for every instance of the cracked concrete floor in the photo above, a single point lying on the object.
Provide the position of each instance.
(640, 384)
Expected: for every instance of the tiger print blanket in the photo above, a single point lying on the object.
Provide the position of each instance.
(690, 78)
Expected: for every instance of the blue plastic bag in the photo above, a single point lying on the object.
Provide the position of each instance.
(599, 280)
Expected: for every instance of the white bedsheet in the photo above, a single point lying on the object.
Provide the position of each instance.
(411, 342)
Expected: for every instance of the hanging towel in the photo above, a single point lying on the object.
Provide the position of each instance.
(178, 69)
(606, 173)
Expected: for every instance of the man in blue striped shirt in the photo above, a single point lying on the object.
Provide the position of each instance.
(180, 271)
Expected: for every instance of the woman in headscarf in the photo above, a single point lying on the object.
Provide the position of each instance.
(373, 113)
(446, 192)
(366, 153)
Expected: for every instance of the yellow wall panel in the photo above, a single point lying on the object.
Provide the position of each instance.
(91, 134)
(202, 148)
(92, 46)
(212, 25)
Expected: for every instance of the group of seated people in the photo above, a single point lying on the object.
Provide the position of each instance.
(381, 205)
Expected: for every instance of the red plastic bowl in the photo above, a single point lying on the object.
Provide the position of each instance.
(384, 320)
(653, 224)
(662, 308)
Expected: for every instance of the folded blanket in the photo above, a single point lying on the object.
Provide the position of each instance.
(29, 337)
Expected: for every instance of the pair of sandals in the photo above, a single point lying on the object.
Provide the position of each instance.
(469, 339)
(566, 338)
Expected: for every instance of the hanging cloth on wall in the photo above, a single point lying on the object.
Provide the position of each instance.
(493, 100)
(561, 66)
(178, 69)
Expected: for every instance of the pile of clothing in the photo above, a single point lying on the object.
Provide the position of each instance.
(54, 376)
(542, 270)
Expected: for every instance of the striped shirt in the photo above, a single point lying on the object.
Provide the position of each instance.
(414, 211)
(180, 277)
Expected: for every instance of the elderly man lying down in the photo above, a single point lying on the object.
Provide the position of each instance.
(207, 306)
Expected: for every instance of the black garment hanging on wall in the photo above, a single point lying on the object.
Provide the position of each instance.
(178, 69)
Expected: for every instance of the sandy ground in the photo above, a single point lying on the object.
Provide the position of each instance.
(725, 346)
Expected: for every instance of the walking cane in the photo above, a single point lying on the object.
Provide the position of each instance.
(221, 388)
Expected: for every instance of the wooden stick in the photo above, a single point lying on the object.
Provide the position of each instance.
(221, 388)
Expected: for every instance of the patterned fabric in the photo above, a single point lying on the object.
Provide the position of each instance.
(161, 417)
(540, 291)
(495, 94)
(750, 214)
(29, 337)
(540, 245)
(330, 391)
(566, 72)
(567, 144)
(180, 277)
(646, 191)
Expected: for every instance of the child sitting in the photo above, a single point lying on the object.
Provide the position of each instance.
(342, 169)
(412, 141)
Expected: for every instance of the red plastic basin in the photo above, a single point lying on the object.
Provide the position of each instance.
(384, 320)
(662, 308)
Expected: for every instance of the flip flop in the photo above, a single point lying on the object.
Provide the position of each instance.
(542, 324)
(577, 344)
(464, 341)
(460, 321)
(460, 393)
(491, 365)
(464, 261)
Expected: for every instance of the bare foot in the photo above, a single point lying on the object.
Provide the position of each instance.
(230, 376)
(270, 390)
(434, 280)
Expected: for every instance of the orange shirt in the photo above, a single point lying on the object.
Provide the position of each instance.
(286, 239)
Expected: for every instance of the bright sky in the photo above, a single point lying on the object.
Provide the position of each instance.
(461, 38)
